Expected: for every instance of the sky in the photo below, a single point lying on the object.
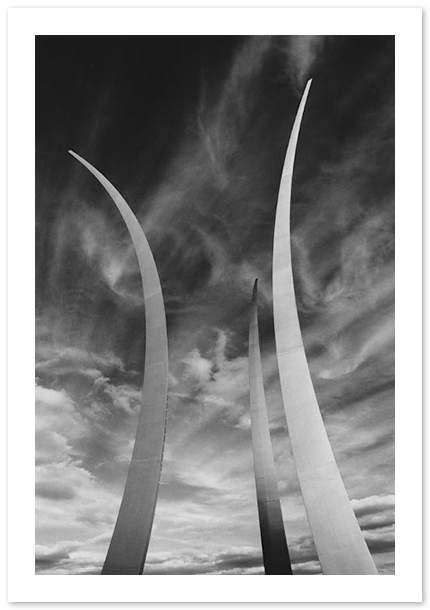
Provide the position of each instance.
(193, 132)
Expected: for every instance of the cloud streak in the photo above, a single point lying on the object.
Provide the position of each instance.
(199, 160)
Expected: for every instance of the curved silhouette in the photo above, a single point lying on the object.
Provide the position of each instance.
(273, 541)
(130, 539)
(338, 539)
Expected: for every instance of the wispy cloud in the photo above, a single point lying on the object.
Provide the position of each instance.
(208, 213)
(301, 54)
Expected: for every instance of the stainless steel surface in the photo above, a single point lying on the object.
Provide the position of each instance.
(130, 539)
(338, 539)
(273, 541)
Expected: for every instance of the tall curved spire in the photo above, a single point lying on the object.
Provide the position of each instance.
(338, 539)
(273, 541)
(130, 539)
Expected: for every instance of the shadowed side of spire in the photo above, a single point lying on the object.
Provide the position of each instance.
(275, 551)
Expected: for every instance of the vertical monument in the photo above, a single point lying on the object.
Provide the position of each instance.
(273, 541)
(338, 539)
(130, 539)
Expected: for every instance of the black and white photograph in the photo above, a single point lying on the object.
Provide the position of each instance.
(192, 131)
(215, 274)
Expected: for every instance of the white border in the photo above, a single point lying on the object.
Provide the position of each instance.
(24, 24)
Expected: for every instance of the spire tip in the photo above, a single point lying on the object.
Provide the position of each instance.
(254, 290)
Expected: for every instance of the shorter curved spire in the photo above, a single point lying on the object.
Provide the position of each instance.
(130, 539)
(273, 540)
